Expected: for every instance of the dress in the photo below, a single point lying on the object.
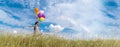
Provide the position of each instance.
(36, 29)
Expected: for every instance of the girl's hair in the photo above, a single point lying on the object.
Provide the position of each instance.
(36, 22)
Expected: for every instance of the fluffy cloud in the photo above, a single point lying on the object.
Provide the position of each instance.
(84, 15)
(55, 28)
(15, 32)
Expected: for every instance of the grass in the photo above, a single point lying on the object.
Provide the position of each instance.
(43, 41)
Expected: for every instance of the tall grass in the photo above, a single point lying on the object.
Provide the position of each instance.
(52, 41)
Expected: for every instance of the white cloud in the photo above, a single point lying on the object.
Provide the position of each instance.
(76, 15)
(55, 28)
(6, 18)
(84, 15)
(15, 32)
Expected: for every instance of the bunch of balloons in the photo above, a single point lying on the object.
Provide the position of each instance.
(39, 14)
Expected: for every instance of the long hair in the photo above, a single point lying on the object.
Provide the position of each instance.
(36, 22)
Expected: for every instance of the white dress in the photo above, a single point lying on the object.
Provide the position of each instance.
(36, 29)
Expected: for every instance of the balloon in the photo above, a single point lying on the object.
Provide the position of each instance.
(36, 11)
(41, 15)
(41, 19)
(41, 11)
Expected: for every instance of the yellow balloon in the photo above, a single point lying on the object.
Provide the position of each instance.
(36, 11)
(41, 19)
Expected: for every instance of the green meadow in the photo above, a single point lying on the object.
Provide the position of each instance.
(52, 41)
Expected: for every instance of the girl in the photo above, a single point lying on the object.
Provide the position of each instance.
(36, 28)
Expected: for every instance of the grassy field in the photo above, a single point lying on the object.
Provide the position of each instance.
(43, 41)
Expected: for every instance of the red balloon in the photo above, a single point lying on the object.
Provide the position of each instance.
(43, 16)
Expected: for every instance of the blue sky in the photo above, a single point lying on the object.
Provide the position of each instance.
(74, 18)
